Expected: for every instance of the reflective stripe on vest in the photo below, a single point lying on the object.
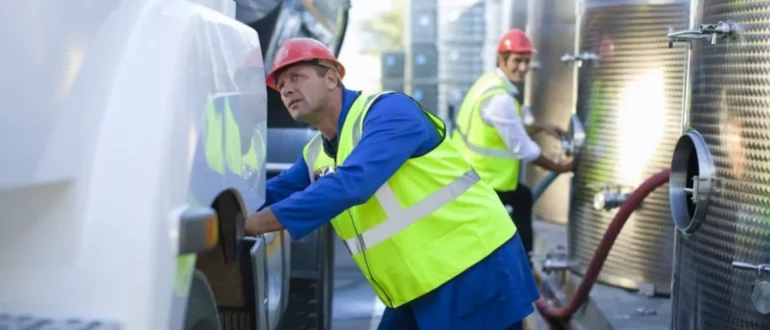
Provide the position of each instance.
(398, 218)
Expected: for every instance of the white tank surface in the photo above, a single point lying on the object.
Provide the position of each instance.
(108, 137)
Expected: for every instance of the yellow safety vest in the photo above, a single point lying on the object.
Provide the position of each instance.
(479, 142)
(432, 220)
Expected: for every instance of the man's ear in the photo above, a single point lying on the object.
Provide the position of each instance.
(332, 79)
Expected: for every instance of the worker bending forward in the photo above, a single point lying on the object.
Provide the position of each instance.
(490, 131)
(433, 240)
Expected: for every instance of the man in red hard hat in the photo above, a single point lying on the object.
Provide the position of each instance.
(490, 131)
(432, 239)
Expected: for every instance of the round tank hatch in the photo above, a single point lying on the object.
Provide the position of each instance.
(692, 182)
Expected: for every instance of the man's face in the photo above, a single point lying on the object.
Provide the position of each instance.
(515, 67)
(304, 91)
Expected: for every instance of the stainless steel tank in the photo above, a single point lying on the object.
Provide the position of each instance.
(551, 28)
(723, 243)
(462, 26)
(630, 103)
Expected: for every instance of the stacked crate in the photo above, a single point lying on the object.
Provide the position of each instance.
(421, 44)
(462, 32)
(392, 68)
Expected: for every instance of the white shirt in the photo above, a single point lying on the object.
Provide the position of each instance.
(500, 112)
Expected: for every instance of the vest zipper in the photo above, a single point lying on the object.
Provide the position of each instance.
(361, 242)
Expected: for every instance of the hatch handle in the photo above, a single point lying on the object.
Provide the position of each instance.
(712, 32)
(760, 269)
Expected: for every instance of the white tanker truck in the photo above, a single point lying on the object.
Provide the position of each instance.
(132, 142)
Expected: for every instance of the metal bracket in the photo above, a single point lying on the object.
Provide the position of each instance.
(712, 32)
(761, 269)
(579, 58)
(760, 290)
(699, 187)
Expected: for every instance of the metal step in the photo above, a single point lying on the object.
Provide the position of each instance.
(302, 312)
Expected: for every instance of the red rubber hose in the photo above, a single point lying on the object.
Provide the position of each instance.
(554, 314)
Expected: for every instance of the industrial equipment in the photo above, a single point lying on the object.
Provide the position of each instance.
(461, 34)
(133, 135)
(551, 28)
(630, 102)
(718, 190)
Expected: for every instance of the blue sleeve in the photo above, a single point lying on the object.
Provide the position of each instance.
(292, 180)
(395, 129)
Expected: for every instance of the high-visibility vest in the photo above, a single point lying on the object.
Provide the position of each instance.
(432, 220)
(479, 142)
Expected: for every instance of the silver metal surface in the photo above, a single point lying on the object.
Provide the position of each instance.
(630, 101)
(551, 27)
(35, 322)
(598, 4)
(515, 12)
(728, 107)
(462, 29)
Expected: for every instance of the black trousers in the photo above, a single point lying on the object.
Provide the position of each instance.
(522, 202)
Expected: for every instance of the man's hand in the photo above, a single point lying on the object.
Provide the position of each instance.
(262, 222)
(567, 164)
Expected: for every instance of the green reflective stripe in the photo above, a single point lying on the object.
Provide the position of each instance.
(359, 123)
(313, 149)
(185, 267)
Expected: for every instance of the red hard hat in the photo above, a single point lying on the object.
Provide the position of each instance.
(515, 41)
(297, 50)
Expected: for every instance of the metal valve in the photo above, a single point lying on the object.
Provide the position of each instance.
(579, 58)
(713, 32)
(608, 198)
(556, 261)
(574, 141)
(762, 269)
(760, 290)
